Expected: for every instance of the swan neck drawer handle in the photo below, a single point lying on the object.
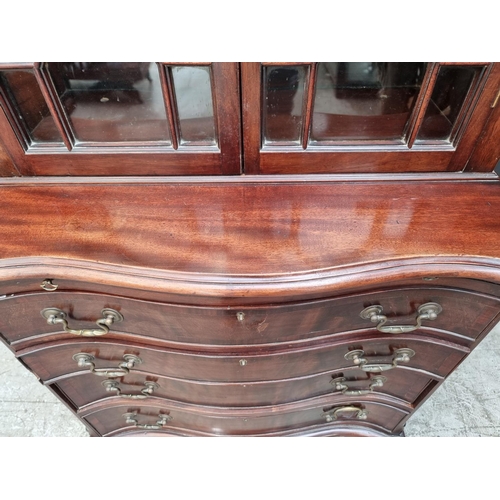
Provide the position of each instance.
(146, 391)
(427, 311)
(402, 355)
(333, 414)
(340, 385)
(85, 360)
(55, 316)
(131, 418)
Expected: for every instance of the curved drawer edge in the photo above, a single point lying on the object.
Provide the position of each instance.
(53, 337)
(331, 399)
(314, 282)
(333, 340)
(78, 372)
(325, 430)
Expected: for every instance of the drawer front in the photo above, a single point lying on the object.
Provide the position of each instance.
(438, 357)
(86, 389)
(464, 313)
(114, 419)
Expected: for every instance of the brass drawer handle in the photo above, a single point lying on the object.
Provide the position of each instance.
(401, 355)
(85, 360)
(333, 414)
(340, 385)
(55, 316)
(114, 385)
(131, 418)
(427, 311)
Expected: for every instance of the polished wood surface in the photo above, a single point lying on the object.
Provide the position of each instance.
(242, 294)
(464, 314)
(7, 167)
(487, 150)
(253, 230)
(364, 160)
(12, 160)
(436, 354)
(111, 419)
(85, 389)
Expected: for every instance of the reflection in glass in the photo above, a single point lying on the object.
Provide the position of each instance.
(112, 102)
(364, 100)
(23, 93)
(451, 89)
(283, 103)
(193, 96)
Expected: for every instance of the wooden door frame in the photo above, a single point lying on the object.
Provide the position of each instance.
(225, 159)
(355, 158)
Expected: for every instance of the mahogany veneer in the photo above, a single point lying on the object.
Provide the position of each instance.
(242, 296)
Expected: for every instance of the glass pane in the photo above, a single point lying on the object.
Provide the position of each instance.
(283, 103)
(23, 93)
(112, 102)
(451, 89)
(193, 95)
(364, 100)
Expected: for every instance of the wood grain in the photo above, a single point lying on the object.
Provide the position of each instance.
(487, 150)
(436, 355)
(251, 229)
(323, 160)
(111, 419)
(7, 167)
(86, 389)
(464, 315)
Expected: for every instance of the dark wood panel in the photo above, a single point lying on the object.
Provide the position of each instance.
(111, 419)
(85, 389)
(423, 100)
(227, 102)
(168, 97)
(463, 313)
(309, 104)
(136, 162)
(250, 230)
(321, 162)
(12, 159)
(486, 153)
(251, 116)
(432, 354)
(325, 430)
(7, 167)
(391, 277)
(478, 120)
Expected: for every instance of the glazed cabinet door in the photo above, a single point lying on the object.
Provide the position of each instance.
(365, 117)
(121, 118)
